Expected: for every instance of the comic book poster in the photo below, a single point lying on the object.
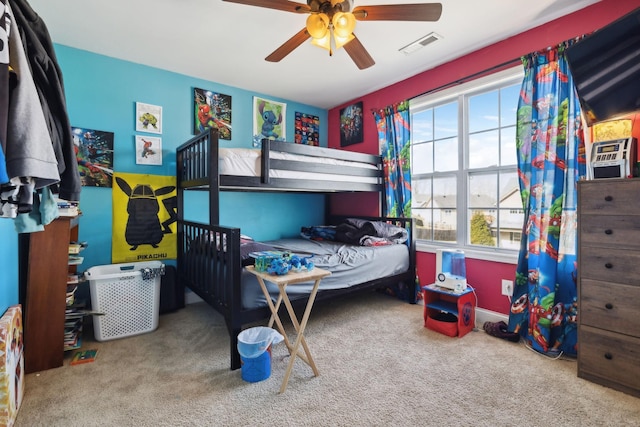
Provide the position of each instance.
(307, 127)
(94, 153)
(212, 110)
(144, 218)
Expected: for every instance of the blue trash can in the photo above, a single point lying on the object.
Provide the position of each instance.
(254, 346)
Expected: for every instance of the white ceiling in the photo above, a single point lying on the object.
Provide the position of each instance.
(226, 42)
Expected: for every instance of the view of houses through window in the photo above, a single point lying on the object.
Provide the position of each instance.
(463, 164)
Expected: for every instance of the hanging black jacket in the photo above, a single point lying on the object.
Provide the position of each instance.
(47, 77)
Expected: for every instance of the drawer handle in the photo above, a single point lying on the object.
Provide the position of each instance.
(608, 231)
(608, 198)
(608, 265)
(608, 356)
(608, 306)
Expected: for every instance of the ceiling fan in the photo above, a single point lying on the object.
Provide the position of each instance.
(331, 23)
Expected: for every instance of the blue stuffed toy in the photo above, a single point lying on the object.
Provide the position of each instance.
(282, 266)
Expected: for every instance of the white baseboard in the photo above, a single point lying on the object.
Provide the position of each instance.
(484, 315)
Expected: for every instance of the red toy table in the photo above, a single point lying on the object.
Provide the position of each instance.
(447, 312)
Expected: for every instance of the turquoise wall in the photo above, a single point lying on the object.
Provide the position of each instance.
(101, 94)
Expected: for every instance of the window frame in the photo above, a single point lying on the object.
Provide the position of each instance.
(460, 94)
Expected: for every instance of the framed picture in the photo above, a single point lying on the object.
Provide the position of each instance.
(351, 124)
(94, 153)
(212, 110)
(268, 120)
(148, 118)
(148, 150)
(307, 129)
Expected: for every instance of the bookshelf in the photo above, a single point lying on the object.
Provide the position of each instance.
(44, 271)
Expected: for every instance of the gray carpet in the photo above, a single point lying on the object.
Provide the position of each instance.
(378, 367)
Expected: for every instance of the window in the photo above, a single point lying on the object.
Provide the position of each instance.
(464, 166)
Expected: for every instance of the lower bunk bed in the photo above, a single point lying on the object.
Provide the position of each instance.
(211, 260)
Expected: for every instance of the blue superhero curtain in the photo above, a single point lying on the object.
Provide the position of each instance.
(394, 139)
(551, 159)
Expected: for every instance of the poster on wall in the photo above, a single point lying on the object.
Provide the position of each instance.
(268, 120)
(94, 153)
(148, 150)
(351, 124)
(212, 110)
(148, 118)
(144, 218)
(307, 129)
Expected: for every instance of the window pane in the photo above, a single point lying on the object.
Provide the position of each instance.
(510, 191)
(483, 149)
(424, 230)
(444, 192)
(444, 225)
(508, 152)
(483, 227)
(483, 191)
(421, 194)
(422, 126)
(483, 111)
(446, 121)
(511, 221)
(421, 158)
(509, 104)
(446, 155)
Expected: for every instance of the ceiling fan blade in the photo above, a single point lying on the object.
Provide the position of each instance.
(399, 12)
(288, 46)
(359, 54)
(286, 5)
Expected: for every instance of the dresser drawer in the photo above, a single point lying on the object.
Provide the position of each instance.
(609, 197)
(609, 359)
(614, 231)
(609, 265)
(610, 306)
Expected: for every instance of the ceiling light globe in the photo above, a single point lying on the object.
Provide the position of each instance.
(317, 25)
(343, 24)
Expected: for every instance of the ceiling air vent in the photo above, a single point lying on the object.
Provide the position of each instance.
(420, 43)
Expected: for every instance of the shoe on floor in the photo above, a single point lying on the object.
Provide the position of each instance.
(500, 330)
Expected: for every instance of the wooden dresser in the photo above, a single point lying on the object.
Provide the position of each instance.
(609, 283)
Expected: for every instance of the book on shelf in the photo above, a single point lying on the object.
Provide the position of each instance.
(84, 356)
(75, 260)
(67, 208)
(76, 247)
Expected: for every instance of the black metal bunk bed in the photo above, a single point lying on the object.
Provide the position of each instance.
(213, 271)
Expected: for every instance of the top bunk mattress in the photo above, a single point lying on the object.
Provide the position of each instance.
(349, 265)
(247, 162)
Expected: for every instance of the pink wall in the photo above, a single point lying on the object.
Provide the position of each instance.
(483, 275)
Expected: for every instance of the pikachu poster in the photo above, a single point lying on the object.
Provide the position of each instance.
(144, 218)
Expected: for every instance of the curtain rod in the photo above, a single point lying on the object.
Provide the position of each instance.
(471, 76)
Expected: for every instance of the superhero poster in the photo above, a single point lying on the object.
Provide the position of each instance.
(212, 110)
(94, 153)
(307, 129)
(144, 218)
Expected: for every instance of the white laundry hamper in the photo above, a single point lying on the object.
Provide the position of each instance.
(128, 295)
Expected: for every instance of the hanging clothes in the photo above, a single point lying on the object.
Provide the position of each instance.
(49, 85)
(4, 88)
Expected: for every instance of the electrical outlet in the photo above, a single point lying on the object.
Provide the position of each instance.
(507, 287)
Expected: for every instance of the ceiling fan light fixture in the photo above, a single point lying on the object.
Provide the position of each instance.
(343, 24)
(318, 25)
(323, 42)
(341, 41)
